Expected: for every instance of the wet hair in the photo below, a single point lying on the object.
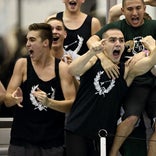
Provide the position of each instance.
(44, 29)
(123, 2)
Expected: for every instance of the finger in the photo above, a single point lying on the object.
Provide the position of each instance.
(19, 105)
(108, 74)
(38, 89)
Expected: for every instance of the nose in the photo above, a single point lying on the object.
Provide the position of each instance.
(27, 43)
(54, 30)
(134, 12)
(118, 42)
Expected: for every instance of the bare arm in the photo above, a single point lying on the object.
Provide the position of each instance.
(110, 68)
(114, 13)
(2, 92)
(144, 64)
(92, 40)
(85, 61)
(14, 94)
(150, 2)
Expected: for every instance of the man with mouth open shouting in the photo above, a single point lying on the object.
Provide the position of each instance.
(98, 101)
(79, 26)
(38, 130)
(141, 93)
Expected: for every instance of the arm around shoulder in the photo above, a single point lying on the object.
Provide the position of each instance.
(150, 2)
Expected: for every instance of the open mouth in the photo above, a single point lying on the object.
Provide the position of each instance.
(116, 53)
(31, 52)
(72, 3)
(55, 38)
(135, 20)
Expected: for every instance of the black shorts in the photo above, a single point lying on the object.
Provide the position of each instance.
(139, 99)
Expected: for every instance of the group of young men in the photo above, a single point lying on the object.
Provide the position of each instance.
(44, 85)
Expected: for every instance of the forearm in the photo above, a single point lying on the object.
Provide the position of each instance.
(143, 65)
(78, 66)
(9, 100)
(114, 13)
(2, 98)
(61, 106)
(92, 40)
(150, 2)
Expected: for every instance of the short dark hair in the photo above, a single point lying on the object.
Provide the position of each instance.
(45, 31)
(104, 35)
(123, 2)
(55, 18)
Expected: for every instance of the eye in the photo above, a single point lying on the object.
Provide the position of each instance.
(112, 40)
(121, 40)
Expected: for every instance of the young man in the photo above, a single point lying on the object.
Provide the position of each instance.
(115, 11)
(36, 129)
(134, 27)
(79, 26)
(59, 35)
(98, 101)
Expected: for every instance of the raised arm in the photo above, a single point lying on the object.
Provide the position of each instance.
(150, 2)
(114, 13)
(144, 64)
(86, 61)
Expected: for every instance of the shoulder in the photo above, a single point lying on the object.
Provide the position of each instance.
(64, 70)
(20, 66)
(95, 20)
(95, 25)
(21, 62)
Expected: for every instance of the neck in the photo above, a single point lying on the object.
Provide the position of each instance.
(58, 53)
(72, 14)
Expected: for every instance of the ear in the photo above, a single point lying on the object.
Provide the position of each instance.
(103, 41)
(65, 34)
(122, 11)
(46, 43)
(144, 7)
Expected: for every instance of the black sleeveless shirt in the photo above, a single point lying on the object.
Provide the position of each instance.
(76, 38)
(34, 123)
(98, 102)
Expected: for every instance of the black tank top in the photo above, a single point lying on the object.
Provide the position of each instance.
(98, 102)
(76, 39)
(34, 123)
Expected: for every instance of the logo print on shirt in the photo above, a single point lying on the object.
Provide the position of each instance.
(79, 41)
(138, 46)
(38, 105)
(103, 87)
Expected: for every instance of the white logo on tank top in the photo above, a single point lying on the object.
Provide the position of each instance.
(79, 43)
(103, 87)
(38, 105)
